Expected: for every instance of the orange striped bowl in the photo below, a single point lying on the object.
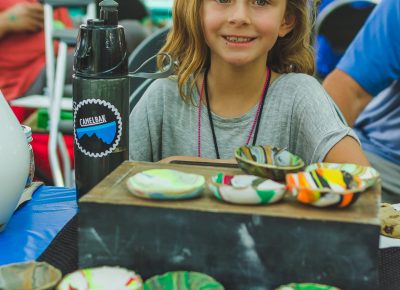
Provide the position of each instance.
(367, 174)
(325, 187)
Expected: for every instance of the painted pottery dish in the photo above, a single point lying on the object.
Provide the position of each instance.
(182, 280)
(29, 275)
(325, 187)
(306, 286)
(369, 175)
(102, 278)
(246, 189)
(166, 184)
(268, 161)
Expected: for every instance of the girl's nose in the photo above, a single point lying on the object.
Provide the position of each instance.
(239, 13)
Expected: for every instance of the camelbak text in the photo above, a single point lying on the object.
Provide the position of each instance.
(96, 120)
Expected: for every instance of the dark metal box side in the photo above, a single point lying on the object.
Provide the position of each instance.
(241, 251)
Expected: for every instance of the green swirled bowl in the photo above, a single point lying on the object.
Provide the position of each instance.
(246, 189)
(268, 161)
(182, 280)
(306, 286)
(166, 184)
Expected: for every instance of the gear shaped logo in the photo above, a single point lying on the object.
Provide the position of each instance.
(97, 127)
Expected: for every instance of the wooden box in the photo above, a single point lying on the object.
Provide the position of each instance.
(243, 247)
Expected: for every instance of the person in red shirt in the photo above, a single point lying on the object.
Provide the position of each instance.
(23, 62)
(22, 46)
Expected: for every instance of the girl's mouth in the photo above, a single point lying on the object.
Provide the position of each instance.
(238, 39)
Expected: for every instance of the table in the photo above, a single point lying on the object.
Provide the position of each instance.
(36, 225)
(46, 229)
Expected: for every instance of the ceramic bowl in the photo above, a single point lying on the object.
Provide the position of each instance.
(268, 161)
(369, 175)
(102, 278)
(325, 187)
(29, 275)
(246, 189)
(182, 280)
(166, 184)
(306, 286)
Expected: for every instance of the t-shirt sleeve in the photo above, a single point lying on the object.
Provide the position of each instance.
(373, 58)
(317, 124)
(144, 126)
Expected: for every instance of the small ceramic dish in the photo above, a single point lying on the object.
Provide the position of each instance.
(166, 184)
(306, 286)
(369, 175)
(102, 278)
(325, 187)
(29, 276)
(268, 161)
(246, 189)
(182, 280)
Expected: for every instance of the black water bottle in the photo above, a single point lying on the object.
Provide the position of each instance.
(101, 98)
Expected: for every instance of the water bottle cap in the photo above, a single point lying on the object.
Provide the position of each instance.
(108, 3)
(95, 22)
(101, 50)
(109, 12)
(27, 132)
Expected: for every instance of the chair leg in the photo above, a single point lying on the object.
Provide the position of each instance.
(66, 162)
(55, 114)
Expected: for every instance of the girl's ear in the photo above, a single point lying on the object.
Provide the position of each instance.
(287, 25)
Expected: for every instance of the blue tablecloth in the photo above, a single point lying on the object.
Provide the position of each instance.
(33, 226)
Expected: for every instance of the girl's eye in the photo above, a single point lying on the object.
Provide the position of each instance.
(260, 2)
(223, 1)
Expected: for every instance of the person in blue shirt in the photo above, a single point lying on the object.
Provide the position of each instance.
(366, 87)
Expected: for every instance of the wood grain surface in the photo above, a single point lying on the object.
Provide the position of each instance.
(113, 190)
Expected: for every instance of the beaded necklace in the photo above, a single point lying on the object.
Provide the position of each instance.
(256, 121)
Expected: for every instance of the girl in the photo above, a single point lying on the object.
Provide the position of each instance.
(241, 77)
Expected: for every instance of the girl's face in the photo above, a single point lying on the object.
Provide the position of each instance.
(240, 32)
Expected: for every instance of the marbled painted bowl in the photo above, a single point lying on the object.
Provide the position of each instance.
(268, 161)
(246, 189)
(182, 280)
(369, 175)
(29, 276)
(306, 286)
(325, 187)
(166, 184)
(102, 278)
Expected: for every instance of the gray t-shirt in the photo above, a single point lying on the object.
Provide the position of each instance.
(298, 115)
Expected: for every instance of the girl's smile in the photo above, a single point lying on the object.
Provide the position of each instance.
(238, 40)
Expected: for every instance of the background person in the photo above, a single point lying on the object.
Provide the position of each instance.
(22, 46)
(22, 62)
(365, 85)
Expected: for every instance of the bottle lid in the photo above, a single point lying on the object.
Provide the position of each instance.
(101, 50)
(109, 12)
(27, 132)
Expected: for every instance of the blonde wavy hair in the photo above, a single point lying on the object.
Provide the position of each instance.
(187, 46)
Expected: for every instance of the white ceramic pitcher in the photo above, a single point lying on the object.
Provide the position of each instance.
(14, 162)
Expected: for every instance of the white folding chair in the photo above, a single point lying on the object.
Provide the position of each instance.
(55, 83)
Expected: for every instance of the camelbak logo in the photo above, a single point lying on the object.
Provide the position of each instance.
(93, 121)
(98, 127)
